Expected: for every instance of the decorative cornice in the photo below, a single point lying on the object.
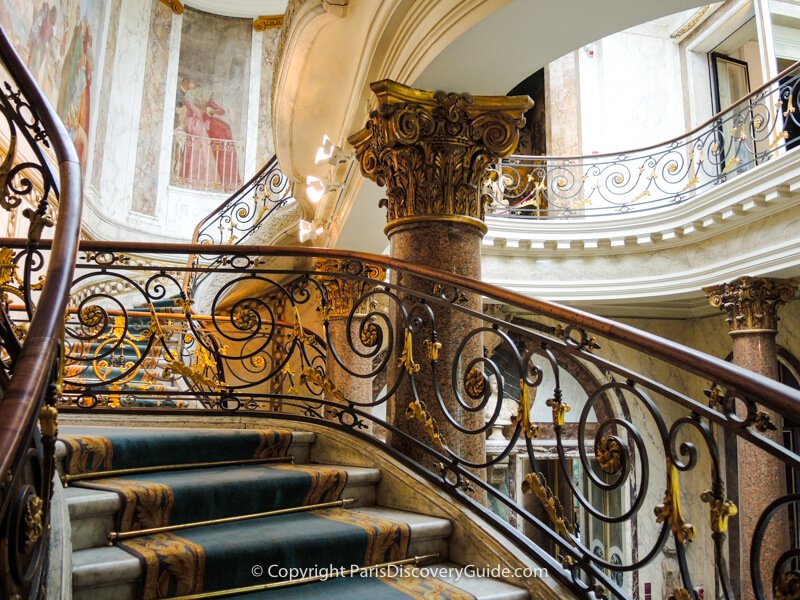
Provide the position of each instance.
(176, 6)
(431, 149)
(752, 302)
(265, 22)
(342, 291)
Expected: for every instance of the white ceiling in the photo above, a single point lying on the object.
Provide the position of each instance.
(240, 8)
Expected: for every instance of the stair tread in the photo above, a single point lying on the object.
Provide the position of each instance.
(180, 438)
(87, 502)
(98, 566)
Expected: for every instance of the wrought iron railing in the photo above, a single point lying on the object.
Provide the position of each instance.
(206, 164)
(235, 220)
(603, 445)
(39, 184)
(752, 131)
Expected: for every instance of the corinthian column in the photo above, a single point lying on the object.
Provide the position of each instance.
(351, 349)
(754, 478)
(430, 150)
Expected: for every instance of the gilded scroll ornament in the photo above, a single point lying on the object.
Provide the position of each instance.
(751, 303)
(536, 485)
(680, 594)
(721, 511)
(34, 528)
(265, 22)
(343, 292)
(175, 6)
(431, 149)
(671, 510)
(433, 348)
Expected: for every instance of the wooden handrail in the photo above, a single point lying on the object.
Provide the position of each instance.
(32, 371)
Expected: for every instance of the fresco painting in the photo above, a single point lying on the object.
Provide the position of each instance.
(59, 40)
(211, 102)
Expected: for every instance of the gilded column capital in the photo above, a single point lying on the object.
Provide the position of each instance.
(265, 22)
(344, 291)
(431, 150)
(751, 303)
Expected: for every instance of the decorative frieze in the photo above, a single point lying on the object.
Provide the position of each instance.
(751, 303)
(431, 150)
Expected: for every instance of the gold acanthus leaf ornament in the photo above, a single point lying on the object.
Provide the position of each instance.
(406, 359)
(671, 510)
(535, 484)
(721, 511)
(417, 411)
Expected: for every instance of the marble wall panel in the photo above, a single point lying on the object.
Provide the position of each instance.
(145, 183)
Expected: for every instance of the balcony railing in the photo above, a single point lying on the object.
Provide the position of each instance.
(608, 454)
(752, 131)
(206, 164)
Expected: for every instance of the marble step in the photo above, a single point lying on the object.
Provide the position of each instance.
(93, 512)
(110, 573)
(299, 448)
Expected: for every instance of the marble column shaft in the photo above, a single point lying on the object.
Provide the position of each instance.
(754, 477)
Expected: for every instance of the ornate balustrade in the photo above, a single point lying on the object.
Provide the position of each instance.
(40, 185)
(206, 164)
(753, 130)
(606, 447)
(233, 221)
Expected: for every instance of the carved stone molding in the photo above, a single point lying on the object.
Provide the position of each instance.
(431, 150)
(344, 292)
(751, 303)
(175, 6)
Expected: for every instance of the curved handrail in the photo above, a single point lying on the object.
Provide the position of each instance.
(27, 454)
(752, 130)
(18, 407)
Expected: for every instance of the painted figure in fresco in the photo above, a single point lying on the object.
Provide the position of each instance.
(207, 156)
(74, 98)
(43, 44)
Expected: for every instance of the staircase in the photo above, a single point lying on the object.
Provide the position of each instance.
(328, 518)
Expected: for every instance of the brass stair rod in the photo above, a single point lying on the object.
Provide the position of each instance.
(335, 573)
(67, 479)
(115, 536)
